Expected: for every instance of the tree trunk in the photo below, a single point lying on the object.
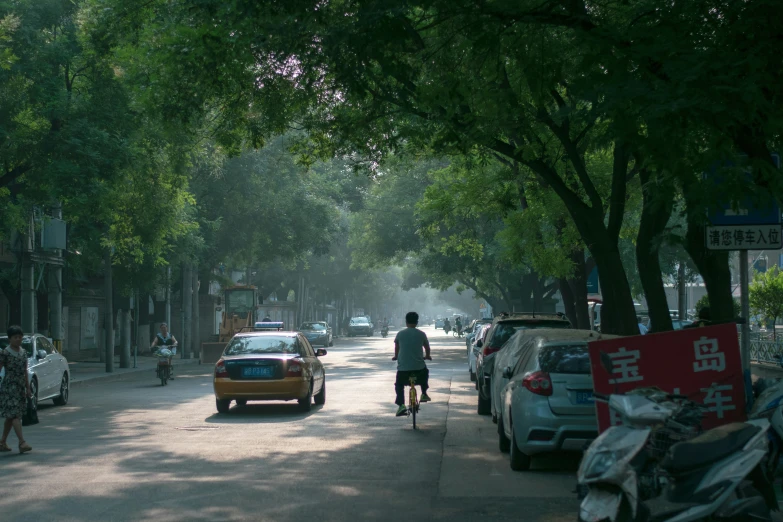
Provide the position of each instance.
(578, 285)
(618, 315)
(568, 301)
(108, 314)
(714, 269)
(657, 204)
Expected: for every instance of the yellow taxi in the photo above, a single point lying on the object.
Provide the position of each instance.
(264, 365)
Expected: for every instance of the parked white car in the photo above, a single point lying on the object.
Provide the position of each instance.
(49, 375)
(547, 404)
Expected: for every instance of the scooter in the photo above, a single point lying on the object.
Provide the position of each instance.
(163, 368)
(384, 331)
(768, 405)
(717, 475)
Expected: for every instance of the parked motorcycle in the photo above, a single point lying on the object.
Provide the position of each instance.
(164, 367)
(768, 405)
(716, 475)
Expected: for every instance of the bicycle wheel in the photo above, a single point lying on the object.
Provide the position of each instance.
(414, 405)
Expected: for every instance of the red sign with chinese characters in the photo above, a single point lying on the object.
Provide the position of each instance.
(702, 363)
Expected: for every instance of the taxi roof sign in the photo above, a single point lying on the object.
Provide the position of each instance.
(268, 325)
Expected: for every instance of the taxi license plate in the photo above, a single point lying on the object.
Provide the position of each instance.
(257, 371)
(584, 397)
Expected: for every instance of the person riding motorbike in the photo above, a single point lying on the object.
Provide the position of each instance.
(164, 339)
(458, 325)
(446, 325)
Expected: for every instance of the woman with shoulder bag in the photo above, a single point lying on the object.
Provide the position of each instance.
(14, 388)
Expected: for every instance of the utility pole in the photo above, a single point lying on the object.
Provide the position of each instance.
(28, 280)
(745, 309)
(187, 306)
(108, 314)
(196, 338)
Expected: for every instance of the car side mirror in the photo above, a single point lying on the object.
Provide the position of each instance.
(41, 354)
(320, 352)
(479, 343)
(507, 372)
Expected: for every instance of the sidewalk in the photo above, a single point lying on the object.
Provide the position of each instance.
(86, 372)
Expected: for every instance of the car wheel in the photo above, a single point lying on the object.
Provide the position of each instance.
(518, 461)
(241, 402)
(472, 376)
(306, 404)
(483, 405)
(320, 397)
(62, 399)
(504, 445)
(223, 405)
(494, 418)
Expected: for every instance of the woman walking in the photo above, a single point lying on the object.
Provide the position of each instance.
(14, 388)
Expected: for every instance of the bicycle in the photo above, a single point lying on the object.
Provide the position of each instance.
(457, 333)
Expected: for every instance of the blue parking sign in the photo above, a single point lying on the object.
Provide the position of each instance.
(747, 212)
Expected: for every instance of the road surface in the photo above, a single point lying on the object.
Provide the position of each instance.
(130, 449)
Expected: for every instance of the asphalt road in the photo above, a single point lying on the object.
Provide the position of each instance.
(131, 450)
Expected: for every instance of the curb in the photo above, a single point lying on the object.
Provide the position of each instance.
(111, 377)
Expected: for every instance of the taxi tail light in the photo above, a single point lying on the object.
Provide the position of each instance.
(538, 383)
(220, 369)
(294, 369)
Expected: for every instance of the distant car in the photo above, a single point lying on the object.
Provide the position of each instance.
(679, 324)
(50, 377)
(548, 403)
(439, 323)
(360, 326)
(503, 327)
(318, 332)
(269, 366)
(474, 350)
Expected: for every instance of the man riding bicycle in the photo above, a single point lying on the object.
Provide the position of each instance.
(411, 348)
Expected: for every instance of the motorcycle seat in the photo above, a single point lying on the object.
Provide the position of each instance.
(709, 447)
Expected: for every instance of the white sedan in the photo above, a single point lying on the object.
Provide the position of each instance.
(49, 375)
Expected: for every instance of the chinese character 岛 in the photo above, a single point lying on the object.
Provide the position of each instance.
(708, 357)
(625, 366)
(716, 401)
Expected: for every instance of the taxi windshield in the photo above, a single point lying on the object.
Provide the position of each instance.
(313, 326)
(261, 344)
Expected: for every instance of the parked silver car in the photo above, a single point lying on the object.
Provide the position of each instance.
(547, 404)
(48, 371)
(473, 353)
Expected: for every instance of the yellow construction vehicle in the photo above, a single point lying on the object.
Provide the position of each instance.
(239, 311)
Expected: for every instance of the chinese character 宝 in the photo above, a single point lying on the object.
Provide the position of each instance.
(625, 366)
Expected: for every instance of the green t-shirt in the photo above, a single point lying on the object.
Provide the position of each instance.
(411, 354)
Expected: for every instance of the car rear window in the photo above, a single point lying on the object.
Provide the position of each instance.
(564, 359)
(261, 344)
(312, 326)
(360, 321)
(504, 331)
